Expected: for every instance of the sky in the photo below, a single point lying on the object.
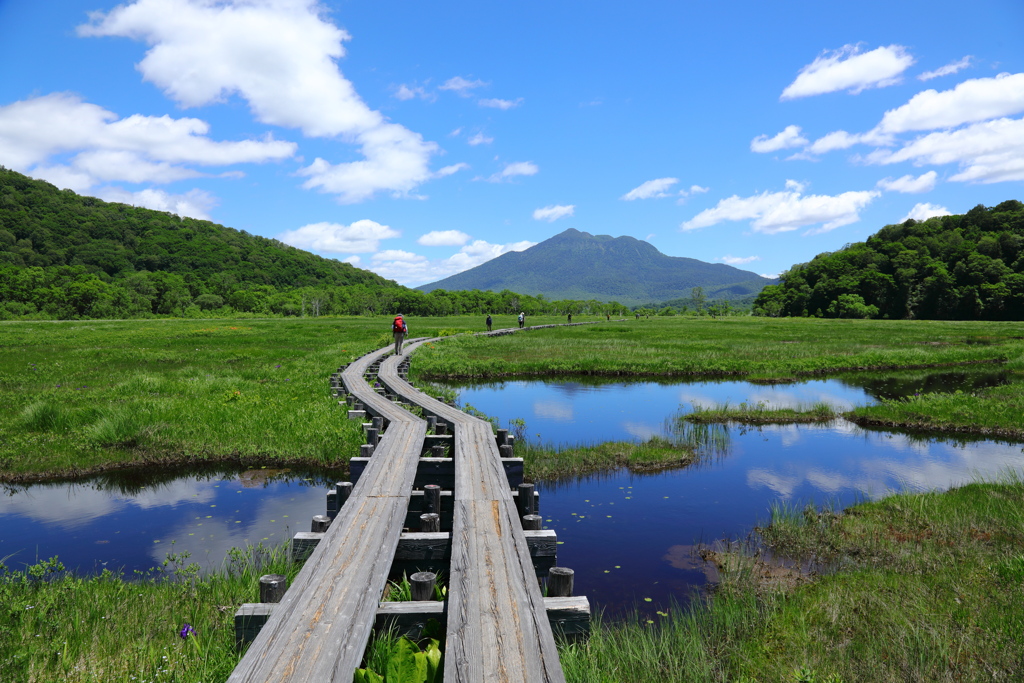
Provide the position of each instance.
(420, 139)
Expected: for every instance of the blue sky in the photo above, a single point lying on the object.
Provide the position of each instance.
(419, 139)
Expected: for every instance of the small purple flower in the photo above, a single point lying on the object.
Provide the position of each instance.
(287, 380)
(277, 366)
(186, 631)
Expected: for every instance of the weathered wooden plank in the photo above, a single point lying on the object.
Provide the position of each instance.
(320, 630)
(441, 471)
(569, 617)
(497, 626)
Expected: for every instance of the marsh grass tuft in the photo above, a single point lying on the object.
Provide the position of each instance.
(761, 413)
(919, 587)
(546, 462)
(59, 626)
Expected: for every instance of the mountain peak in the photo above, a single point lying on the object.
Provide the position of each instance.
(577, 265)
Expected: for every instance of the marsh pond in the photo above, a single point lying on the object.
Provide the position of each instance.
(630, 537)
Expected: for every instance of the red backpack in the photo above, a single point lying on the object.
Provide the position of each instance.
(398, 325)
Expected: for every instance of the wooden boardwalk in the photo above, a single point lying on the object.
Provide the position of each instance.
(498, 623)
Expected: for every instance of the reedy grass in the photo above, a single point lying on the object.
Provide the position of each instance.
(82, 397)
(924, 587)
(688, 444)
(997, 411)
(761, 413)
(546, 462)
(59, 626)
(759, 348)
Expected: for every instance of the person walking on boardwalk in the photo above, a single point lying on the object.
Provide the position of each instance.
(399, 329)
(489, 321)
(522, 319)
(570, 318)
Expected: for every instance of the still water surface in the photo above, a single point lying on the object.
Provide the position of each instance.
(131, 521)
(629, 537)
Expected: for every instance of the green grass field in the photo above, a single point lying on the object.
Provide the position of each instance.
(79, 397)
(926, 586)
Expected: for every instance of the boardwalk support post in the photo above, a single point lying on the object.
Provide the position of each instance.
(272, 587)
(422, 584)
(560, 582)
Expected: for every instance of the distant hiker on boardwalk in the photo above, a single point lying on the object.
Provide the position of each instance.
(522, 319)
(489, 321)
(570, 318)
(399, 329)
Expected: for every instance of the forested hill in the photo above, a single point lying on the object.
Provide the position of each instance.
(43, 226)
(968, 267)
(578, 265)
(65, 256)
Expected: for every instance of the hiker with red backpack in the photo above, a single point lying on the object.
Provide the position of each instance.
(399, 329)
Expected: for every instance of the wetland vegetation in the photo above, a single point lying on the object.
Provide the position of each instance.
(921, 586)
(914, 587)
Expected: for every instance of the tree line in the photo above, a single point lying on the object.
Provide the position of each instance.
(66, 256)
(966, 267)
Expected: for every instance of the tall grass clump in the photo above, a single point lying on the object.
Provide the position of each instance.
(58, 626)
(912, 587)
(46, 416)
(761, 413)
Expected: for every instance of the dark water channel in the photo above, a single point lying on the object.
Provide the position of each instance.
(628, 537)
(131, 521)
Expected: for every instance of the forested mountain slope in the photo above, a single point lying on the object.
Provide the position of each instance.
(968, 267)
(578, 265)
(66, 256)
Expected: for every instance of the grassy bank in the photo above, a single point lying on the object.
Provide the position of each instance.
(759, 348)
(760, 413)
(546, 462)
(62, 627)
(998, 411)
(924, 587)
(85, 396)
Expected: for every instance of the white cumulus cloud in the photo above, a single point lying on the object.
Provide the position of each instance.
(280, 56)
(775, 212)
(479, 139)
(738, 260)
(789, 137)
(948, 69)
(908, 184)
(924, 211)
(839, 139)
(988, 152)
(443, 238)
(106, 148)
(973, 100)
(495, 103)
(406, 92)
(363, 236)
(554, 212)
(513, 170)
(413, 269)
(652, 188)
(850, 69)
(194, 203)
(449, 170)
(461, 86)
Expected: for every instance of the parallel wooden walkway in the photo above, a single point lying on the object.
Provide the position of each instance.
(497, 621)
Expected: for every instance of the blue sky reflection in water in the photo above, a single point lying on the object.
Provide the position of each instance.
(113, 523)
(630, 536)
